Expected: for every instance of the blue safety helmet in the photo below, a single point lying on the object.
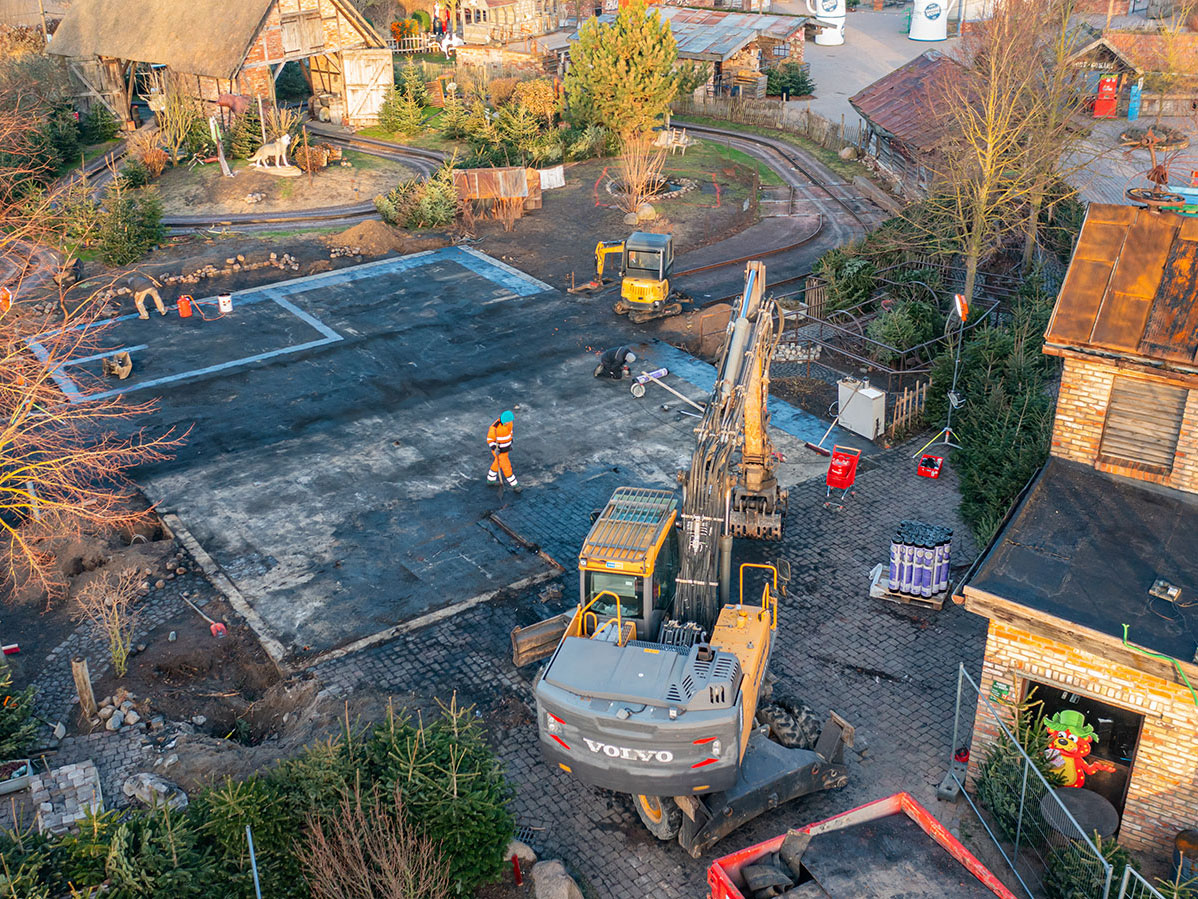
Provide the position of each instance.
(507, 417)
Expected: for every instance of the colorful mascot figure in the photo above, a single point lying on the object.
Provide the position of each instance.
(1069, 744)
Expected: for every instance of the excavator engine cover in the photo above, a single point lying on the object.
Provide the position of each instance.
(665, 720)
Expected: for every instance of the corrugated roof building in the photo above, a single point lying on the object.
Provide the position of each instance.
(1090, 584)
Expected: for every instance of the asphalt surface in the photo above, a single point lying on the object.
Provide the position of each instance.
(336, 458)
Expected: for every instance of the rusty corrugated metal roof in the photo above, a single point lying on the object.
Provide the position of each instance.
(491, 184)
(1132, 288)
(904, 103)
(715, 35)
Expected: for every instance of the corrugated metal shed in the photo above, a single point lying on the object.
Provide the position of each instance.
(1131, 289)
(713, 35)
(491, 184)
(903, 104)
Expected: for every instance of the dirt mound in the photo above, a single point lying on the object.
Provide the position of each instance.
(374, 238)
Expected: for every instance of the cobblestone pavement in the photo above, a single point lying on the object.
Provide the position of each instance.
(889, 669)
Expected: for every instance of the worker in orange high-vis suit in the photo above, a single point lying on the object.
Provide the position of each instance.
(499, 439)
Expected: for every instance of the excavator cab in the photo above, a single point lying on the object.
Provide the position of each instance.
(648, 265)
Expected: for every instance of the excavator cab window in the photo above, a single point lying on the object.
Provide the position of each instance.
(665, 572)
(628, 587)
(644, 264)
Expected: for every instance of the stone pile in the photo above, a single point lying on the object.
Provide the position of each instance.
(65, 795)
(118, 711)
(797, 352)
(344, 251)
(152, 791)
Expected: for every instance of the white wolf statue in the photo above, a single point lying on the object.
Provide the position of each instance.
(274, 153)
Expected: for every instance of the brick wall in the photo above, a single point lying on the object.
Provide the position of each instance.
(1162, 796)
(1081, 411)
(340, 34)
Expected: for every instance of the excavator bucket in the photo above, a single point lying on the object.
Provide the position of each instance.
(537, 641)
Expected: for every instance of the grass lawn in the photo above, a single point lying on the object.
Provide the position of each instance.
(429, 139)
(847, 168)
(97, 150)
(706, 157)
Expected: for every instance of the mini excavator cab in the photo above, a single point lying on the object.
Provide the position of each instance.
(648, 265)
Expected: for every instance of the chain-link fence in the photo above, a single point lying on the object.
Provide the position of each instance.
(1136, 887)
(1048, 851)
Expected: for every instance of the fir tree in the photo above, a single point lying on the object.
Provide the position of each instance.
(401, 114)
(412, 84)
(247, 134)
(622, 74)
(16, 717)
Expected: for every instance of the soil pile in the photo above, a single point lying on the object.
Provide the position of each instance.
(374, 238)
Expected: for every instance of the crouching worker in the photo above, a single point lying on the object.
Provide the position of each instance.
(614, 363)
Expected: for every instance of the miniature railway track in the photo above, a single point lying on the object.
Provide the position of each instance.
(788, 155)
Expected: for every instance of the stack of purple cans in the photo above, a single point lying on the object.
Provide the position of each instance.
(919, 558)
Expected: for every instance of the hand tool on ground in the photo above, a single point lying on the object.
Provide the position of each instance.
(655, 377)
(498, 471)
(218, 629)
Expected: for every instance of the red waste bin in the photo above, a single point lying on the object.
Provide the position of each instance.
(842, 470)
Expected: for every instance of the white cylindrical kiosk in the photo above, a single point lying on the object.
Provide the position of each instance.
(829, 16)
(929, 20)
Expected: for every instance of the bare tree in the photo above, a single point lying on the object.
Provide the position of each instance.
(66, 444)
(178, 114)
(372, 852)
(110, 603)
(640, 171)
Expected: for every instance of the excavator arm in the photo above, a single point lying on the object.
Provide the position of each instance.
(730, 488)
(603, 249)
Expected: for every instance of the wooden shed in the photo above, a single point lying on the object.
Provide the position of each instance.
(219, 47)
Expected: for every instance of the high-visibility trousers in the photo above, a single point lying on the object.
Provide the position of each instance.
(501, 463)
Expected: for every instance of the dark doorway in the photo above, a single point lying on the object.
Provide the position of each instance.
(1116, 732)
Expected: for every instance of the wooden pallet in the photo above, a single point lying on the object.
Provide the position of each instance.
(878, 590)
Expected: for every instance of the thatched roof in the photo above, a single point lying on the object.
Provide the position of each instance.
(201, 37)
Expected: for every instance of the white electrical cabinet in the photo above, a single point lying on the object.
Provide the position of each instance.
(862, 408)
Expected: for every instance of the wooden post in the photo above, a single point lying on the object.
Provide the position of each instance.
(83, 683)
(307, 155)
(262, 119)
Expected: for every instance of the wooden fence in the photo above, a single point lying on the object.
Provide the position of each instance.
(415, 43)
(793, 117)
(908, 407)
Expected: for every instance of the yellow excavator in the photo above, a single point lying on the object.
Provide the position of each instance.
(656, 683)
(646, 262)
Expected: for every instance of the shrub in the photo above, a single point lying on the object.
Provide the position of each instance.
(584, 143)
(453, 789)
(404, 28)
(131, 223)
(411, 82)
(134, 174)
(246, 134)
(423, 20)
(1006, 423)
(417, 203)
(62, 134)
(16, 718)
(502, 90)
(791, 78)
(1072, 871)
(1001, 778)
(291, 86)
(99, 125)
(400, 114)
(850, 277)
(453, 118)
(538, 97)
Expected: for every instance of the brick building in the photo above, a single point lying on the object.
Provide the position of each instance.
(224, 47)
(1080, 583)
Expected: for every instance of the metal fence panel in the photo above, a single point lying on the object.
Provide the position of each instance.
(1136, 887)
(1036, 834)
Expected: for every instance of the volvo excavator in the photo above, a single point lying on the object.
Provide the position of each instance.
(657, 682)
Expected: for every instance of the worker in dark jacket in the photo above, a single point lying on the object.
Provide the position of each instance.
(614, 363)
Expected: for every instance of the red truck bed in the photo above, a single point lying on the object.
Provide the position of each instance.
(887, 849)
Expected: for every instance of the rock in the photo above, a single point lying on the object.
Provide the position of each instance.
(848, 153)
(645, 213)
(631, 219)
(126, 705)
(180, 571)
(106, 712)
(159, 584)
(107, 700)
(550, 881)
(172, 637)
(115, 720)
(199, 720)
(141, 647)
(151, 790)
(157, 721)
(522, 851)
(131, 717)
